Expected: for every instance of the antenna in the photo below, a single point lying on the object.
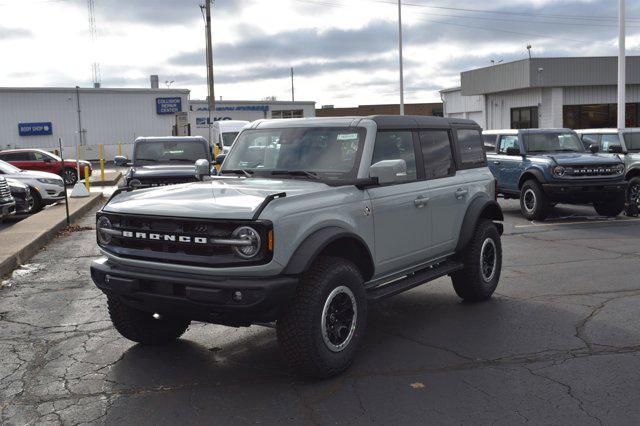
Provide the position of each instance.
(93, 33)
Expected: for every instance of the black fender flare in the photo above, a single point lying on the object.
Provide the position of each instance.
(480, 207)
(314, 244)
(532, 171)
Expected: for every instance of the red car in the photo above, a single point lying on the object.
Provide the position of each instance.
(43, 161)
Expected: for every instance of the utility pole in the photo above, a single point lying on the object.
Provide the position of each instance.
(293, 92)
(622, 69)
(79, 116)
(400, 51)
(211, 98)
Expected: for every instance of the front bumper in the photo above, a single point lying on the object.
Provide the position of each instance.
(196, 297)
(7, 209)
(583, 192)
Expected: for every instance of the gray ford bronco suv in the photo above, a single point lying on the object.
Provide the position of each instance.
(308, 221)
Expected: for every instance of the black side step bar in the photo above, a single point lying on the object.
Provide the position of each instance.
(413, 280)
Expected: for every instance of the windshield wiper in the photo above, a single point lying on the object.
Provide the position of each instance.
(247, 173)
(305, 173)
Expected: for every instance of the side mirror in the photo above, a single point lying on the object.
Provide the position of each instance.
(203, 168)
(513, 150)
(220, 159)
(120, 161)
(48, 160)
(616, 149)
(389, 171)
(594, 149)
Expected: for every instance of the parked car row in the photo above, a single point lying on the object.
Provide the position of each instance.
(43, 161)
(44, 188)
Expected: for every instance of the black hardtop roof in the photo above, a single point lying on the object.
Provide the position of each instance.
(418, 121)
(171, 139)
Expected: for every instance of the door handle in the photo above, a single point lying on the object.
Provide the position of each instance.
(497, 163)
(461, 192)
(420, 202)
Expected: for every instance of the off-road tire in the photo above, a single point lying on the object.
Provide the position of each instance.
(38, 204)
(70, 176)
(142, 327)
(470, 283)
(299, 329)
(539, 210)
(611, 208)
(632, 207)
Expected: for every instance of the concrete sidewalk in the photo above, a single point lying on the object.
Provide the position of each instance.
(21, 241)
(111, 178)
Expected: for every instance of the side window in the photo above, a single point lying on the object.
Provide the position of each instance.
(396, 145)
(437, 154)
(608, 141)
(588, 140)
(507, 142)
(471, 149)
(35, 156)
(489, 142)
(15, 156)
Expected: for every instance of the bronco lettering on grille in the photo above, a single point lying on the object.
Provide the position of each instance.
(164, 237)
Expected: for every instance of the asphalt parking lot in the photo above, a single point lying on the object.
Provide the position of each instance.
(558, 344)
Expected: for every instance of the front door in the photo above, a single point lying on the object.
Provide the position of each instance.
(400, 211)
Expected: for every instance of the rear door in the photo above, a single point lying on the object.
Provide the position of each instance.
(448, 190)
(509, 166)
(399, 211)
(19, 159)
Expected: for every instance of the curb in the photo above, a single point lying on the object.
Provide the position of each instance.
(110, 181)
(32, 245)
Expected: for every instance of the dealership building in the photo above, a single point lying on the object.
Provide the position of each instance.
(90, 117)
(577, 93)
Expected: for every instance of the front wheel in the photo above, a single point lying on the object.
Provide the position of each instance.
(38, 204)
(322, 326)
(533, 201)
(482, 259)
(633, 197)
(144, 327)
(610, 208)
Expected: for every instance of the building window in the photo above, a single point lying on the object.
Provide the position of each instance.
(290, 113)
(524, 118)
(598, 116)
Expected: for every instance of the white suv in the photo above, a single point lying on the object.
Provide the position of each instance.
(46, 188)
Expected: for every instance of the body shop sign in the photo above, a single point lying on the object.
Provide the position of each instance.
(168, 105)
(35, 129)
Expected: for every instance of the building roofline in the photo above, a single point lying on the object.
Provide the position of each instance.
(93, 90)
(235, 101)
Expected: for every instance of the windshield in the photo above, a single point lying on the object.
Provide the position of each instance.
(8, 169)
(228, 138)
(169, 152)
(552, 142)
(632, 141)
(321, 152)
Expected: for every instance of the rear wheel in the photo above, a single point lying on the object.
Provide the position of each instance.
(70, 176)
(611, 208)
(533, 202)
(323, 324)
(482, 260)
(145, 327)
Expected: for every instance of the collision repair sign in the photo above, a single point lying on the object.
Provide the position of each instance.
(35, 129)
(168, 105)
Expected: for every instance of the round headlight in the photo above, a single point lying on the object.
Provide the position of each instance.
(252, 238)
(103, 223)
(619, 169)
(134, 183)
(559, 171)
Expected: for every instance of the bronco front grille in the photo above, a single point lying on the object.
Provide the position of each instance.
(591, 170)
(188, 251)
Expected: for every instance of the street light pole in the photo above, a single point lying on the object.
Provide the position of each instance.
(211, 98)
(622, 69)
(400, 51)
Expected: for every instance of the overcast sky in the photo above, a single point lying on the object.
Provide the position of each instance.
(344, 52)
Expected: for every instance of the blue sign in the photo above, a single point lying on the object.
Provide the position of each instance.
(263, 108)
(168, 105)
(35, 129)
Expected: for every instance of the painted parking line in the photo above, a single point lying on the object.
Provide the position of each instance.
(584, 222)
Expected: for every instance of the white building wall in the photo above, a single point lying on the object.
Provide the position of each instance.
(109, 116)
(499, 106)
(468, 107)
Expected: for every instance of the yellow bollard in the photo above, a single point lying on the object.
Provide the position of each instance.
(120, 149)
(87, 180)
(216, 151)
(101, 163)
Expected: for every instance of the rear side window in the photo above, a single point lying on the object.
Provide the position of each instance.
(15, 156)
(608, 141)
(437, 154)
(489, 142)
(471, 149)
(396, 145)
(632, 141)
